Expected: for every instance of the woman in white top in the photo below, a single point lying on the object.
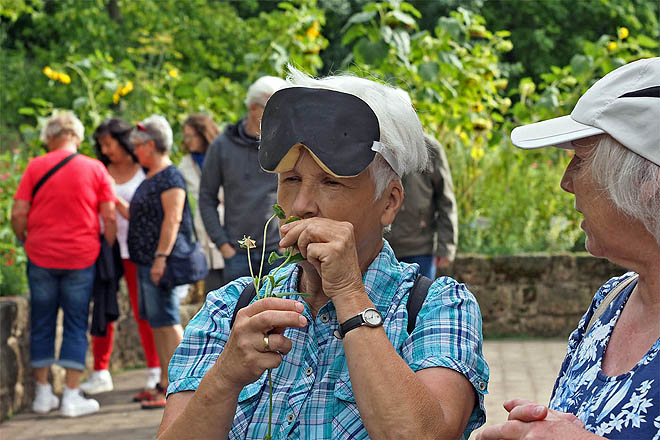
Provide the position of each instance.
(198, 132)
(116, 153)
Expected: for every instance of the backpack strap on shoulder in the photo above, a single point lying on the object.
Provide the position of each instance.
(608, 300)
(416, 298)
(248, 293)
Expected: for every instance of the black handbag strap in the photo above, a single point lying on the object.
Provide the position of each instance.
(50, 172)
(414, 305)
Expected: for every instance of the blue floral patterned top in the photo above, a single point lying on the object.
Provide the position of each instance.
(622, 407)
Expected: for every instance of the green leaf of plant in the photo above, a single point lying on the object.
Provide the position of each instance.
(428, 71)
(26, 110)
(360, 17)
(372, 53)
(280, 279)
(279, 212)
(273, 257)
(404, 18)
(283, 294)
(296, 258)
(292, 219)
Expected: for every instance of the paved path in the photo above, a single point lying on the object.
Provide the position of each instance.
(524, 368)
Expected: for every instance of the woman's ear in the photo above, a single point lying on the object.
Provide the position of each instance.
(393, 199)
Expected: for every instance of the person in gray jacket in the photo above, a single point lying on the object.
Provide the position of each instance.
(231, 162)
(425, 230)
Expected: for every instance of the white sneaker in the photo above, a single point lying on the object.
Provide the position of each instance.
(153, 377)
(98, 382)
(75, 405)
(44, 399)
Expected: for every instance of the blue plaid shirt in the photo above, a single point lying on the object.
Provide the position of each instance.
(312, 393)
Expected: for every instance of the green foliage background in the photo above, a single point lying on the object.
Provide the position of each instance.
(474, 70)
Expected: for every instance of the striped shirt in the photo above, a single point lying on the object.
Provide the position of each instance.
(312, 393)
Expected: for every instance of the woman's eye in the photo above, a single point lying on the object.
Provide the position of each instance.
(332, 183)
(291, 179)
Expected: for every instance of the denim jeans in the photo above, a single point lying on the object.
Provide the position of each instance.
(50, 289)
(157, 305)
(237, 266)
(426, 266)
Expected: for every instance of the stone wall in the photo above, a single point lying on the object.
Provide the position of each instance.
(531, 295)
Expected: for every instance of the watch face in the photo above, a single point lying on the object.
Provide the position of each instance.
(372, 317)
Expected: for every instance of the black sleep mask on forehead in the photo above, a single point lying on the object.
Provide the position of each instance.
(340, 131)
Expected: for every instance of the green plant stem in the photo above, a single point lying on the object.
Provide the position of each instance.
(254, 280)
(263, 246)
(88, 85)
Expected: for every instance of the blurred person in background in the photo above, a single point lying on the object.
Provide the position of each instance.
(249, 192)
(116, 152)
(199, 130)
(56, 213)
(159, 223)
(608, 383)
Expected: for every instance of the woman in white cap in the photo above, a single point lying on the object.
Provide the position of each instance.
(608, 383)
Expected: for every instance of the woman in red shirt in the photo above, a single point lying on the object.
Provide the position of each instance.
(58, 220)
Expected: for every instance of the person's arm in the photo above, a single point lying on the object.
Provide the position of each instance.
(432, 403)
(19, 218)
(173, 201)
(444, 202)
(529, 420)
(122, 207)
(210, 182)
(208, 412)
(107, 213)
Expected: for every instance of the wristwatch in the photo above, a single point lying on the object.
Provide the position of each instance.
(369, 317)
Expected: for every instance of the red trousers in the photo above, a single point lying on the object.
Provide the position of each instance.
(102, 346)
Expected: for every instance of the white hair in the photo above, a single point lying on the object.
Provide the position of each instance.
(158, 130)
(401, 131)
(62, 122)
(631, 182)
(262, 89)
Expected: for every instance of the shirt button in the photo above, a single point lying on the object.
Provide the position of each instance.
(325, 318)
(308, 371)
(290, 417)
(482, 386)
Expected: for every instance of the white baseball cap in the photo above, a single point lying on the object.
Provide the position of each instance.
(625, 104)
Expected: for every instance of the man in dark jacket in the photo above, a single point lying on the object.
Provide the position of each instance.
(231, 162)
(425, 230)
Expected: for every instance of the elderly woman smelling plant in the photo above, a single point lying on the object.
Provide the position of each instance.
(347, 358)
(608, 383)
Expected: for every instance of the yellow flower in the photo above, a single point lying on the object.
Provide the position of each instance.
(477, 108)
(110, 59)
(611, 46)
(64, 78)
(174, 73)
(115, 97)
(476, 153)
(48, 71)
(128, 88)
(313, 32)
(623, 33)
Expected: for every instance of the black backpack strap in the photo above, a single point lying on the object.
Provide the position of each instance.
(416, 298)
(50, 172)
(243, 301)
(414, 305)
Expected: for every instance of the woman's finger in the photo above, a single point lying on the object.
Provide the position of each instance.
(528, 413)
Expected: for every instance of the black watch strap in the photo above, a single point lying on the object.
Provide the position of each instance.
(350, 324)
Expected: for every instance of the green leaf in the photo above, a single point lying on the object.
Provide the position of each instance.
(647, 42)
(279, 212)
(451, 26)
(292, 219)
(404, 18)
(280, 279)
(273, 257)
(370, 53)
(26, 111)
(428, 71)
(40, 102)
(360, 17)
(283, 294)
(581, 64)
(296, 258)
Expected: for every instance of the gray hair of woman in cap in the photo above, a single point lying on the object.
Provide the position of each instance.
(630, 181)
(154, 128)
(401, 131)
(62, 122)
